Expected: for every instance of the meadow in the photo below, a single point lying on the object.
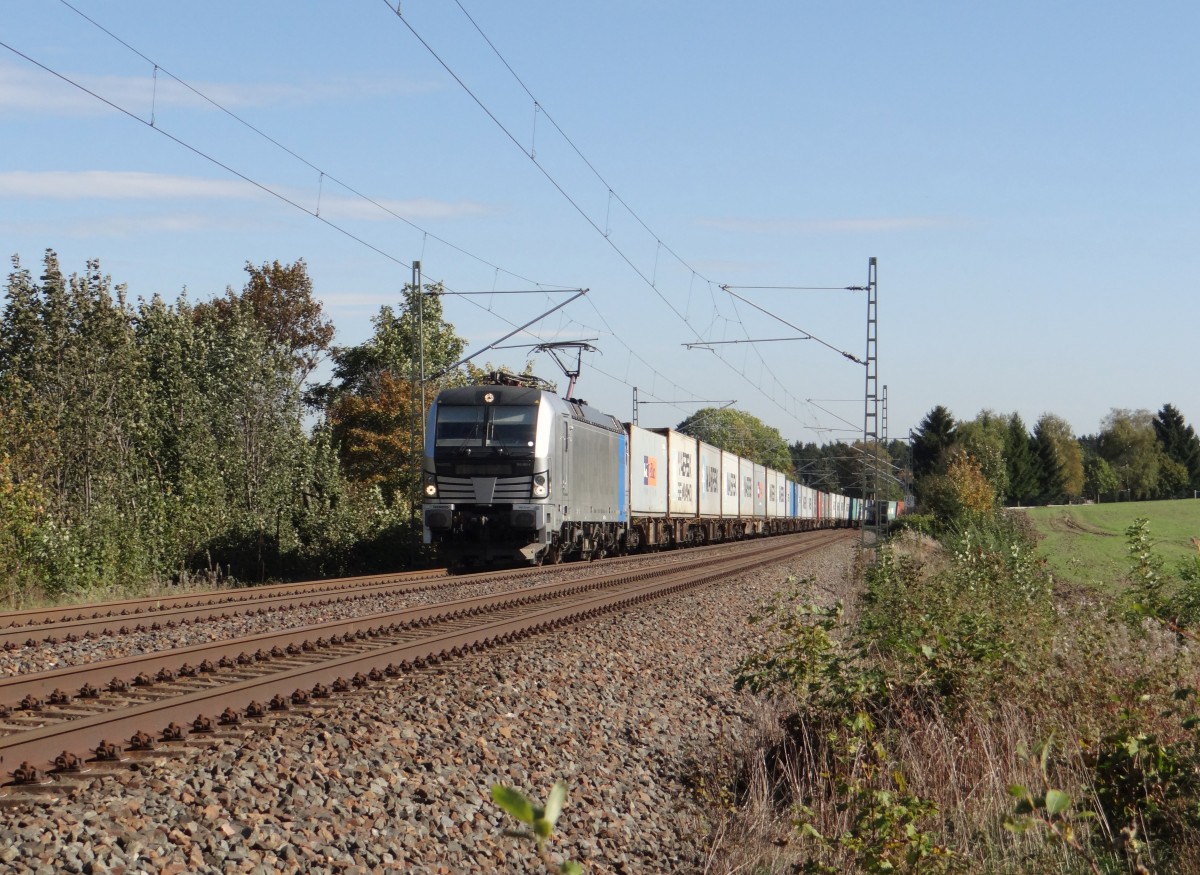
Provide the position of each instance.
(1086, 544)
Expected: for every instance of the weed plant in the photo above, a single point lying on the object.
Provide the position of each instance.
(972, 716)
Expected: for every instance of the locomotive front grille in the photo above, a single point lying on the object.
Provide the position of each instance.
(484, 490)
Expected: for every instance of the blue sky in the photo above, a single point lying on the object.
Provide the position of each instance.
(1025, 173)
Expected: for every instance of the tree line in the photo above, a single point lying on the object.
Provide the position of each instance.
(154, 440)
(1136, 455)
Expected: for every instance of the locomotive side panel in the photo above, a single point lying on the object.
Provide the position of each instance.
(594, 489)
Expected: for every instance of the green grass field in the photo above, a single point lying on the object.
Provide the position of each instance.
(1086, 543)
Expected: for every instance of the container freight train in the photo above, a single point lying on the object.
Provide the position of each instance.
(515, 474)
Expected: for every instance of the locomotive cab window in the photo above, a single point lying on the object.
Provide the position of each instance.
(474, 426)
(512, 426)
(460, 426)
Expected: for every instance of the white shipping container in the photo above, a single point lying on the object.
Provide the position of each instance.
(746, 478)
(760, 492)
(808, 506)
(683, 475)
(729, 482)
(709, 480)
(647, 472)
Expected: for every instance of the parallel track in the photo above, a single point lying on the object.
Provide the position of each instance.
(308, 661)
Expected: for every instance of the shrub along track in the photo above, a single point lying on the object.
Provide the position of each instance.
(151, 697)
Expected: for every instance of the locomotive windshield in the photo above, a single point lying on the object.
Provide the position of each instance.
(478, 426)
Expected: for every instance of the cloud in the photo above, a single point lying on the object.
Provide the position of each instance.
(134, 185)
(29, 89)
(118, 185)
(826, 226)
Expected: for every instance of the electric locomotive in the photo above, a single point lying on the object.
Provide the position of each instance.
(513, 473)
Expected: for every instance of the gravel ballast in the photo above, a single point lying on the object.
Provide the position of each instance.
(397, 778)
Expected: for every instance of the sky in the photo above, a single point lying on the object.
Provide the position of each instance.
(714, 174)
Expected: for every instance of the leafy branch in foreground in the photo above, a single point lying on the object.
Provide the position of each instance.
(539, 818)
(1049, 810)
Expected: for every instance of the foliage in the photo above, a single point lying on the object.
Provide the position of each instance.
(1023, 473)
(376, 401)
(1060, 444)
(1179, 443)
(1129, 444)
(932, 439)
(966, 636)
(539, 818)
(1049, 809)
(281, 300)
(738, 432)
(961, 492)
(1098, 477)
(970, 646)
(885, 832)
(985, 439)
(835, 688)
(147, 441)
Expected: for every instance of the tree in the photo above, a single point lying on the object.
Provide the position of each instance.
(961, 491)
(934, 436)
(1179, 443)
(736, 431)
(280, 297)
(1172, 478)
(1022, 464)
(1098, 477)
(985, 439)
(1130, 446)
(1067, 452)
(814, 466)
(1050, 469)
(374, 408)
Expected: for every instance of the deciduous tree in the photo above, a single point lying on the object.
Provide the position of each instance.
(739, 432)
(1129, 444)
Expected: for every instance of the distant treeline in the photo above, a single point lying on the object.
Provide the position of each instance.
(1136, 456)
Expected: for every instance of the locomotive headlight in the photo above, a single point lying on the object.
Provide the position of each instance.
(540, 485)
(431, 490)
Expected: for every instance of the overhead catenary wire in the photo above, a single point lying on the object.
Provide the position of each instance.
(322, 173)
(530, 152)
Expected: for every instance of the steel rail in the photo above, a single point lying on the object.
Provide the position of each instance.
(51, 625)
(126, 669)
(42, 744)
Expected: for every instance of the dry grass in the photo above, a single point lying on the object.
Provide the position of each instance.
(1100, 676)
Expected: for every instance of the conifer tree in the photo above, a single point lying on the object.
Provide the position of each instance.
(1179, 441)
(1023, 483)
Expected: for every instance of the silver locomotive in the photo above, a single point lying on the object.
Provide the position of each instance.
(513, 473)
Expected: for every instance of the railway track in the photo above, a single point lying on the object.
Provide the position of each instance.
(37, 626)
(65, 722)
